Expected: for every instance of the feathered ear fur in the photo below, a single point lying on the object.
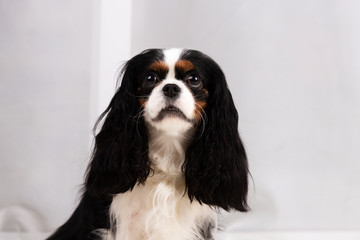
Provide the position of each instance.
(216, 168)
(120, 157)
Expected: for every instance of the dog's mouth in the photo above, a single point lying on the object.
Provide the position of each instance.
(172, 112)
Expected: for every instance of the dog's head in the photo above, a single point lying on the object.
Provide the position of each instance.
(172, 91)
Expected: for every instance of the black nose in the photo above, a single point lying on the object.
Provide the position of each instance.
(171, 90)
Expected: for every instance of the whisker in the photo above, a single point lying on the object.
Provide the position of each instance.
(203, 119)
(137, 117)
(136, 96)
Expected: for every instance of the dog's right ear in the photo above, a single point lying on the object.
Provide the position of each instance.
(120, 157)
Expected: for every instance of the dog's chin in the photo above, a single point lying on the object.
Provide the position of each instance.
(172, 122)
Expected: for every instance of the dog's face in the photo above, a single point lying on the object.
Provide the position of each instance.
(172, 93)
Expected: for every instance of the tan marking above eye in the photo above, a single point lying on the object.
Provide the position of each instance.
(184, 66)
(159, 67)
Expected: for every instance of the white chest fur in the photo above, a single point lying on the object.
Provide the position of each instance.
(161, 209)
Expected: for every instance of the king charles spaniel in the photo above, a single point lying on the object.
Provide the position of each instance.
(168, 156)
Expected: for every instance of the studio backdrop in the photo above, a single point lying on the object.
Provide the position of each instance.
(293, 68)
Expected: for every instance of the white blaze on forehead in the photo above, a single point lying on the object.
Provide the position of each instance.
(171, 56)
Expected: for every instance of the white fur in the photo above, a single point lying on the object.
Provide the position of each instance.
(172, 55)
(161, 209)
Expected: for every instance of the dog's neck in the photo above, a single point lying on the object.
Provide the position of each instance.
(167, 151)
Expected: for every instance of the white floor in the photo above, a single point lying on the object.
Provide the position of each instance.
(330, 235)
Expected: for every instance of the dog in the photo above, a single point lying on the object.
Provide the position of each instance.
(168, 155)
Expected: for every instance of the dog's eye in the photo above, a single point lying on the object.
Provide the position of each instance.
(193, 80)
(151, 79)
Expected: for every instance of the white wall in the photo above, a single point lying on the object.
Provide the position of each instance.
(58, 65)
(292, 66)
(45, 78)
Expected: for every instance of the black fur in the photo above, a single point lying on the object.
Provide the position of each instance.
(215, 169)
(91, 214)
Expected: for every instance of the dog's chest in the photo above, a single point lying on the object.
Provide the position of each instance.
(159, 210)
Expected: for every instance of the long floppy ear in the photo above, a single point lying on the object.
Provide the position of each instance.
(120, 157)
(216, 168)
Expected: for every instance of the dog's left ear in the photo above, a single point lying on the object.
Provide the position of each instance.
(216, 168)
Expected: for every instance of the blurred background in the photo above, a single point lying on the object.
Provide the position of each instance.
(293, 68)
